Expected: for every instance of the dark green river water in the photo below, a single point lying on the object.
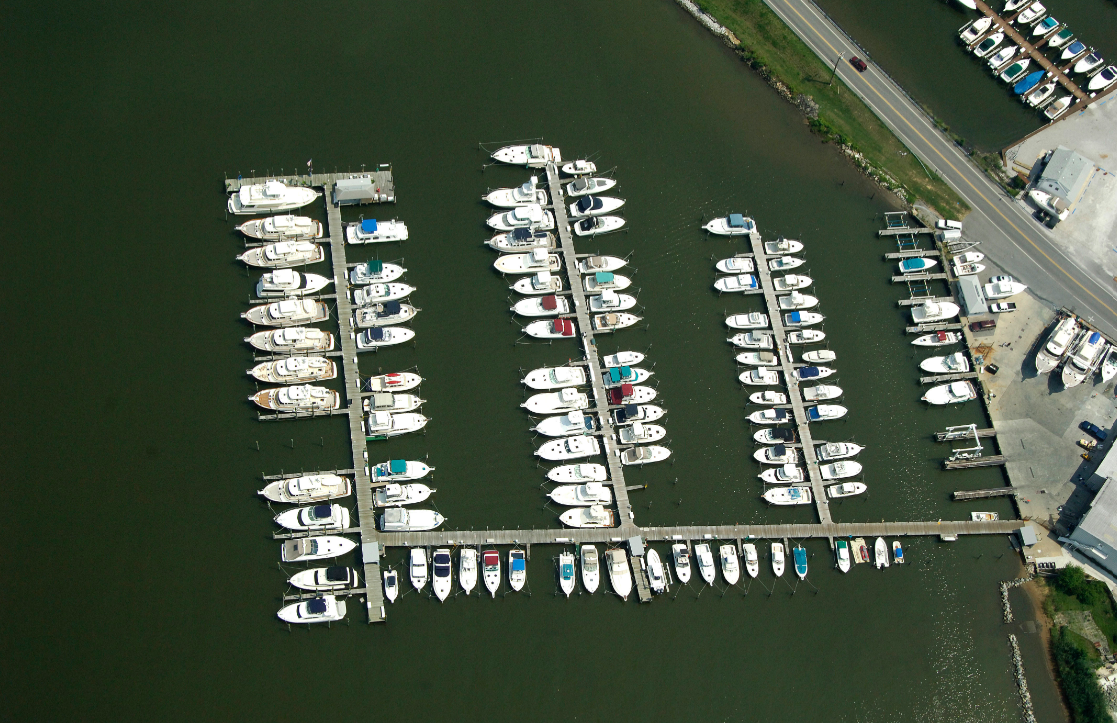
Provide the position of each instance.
(145, 583)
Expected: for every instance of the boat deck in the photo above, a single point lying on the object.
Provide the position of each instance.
(382, 178)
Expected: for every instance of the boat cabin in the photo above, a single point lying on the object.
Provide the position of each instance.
(617, 395)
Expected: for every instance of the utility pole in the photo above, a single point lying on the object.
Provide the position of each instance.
(840, 56)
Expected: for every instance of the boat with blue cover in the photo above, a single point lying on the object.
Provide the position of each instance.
(1030, 81)
(517, 569)
(915, 266)
(375, 272)
(397, 470)
(602, 280)
(323, 609)
(616, 376)
(800, 555)
(897, 552)
(371, 231)
(824, 412)
(566, 572)
(738, 283)
(735, 224)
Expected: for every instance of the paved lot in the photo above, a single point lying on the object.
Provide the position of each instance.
(1092, 132)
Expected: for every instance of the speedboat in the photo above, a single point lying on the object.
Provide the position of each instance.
(955, 363)
(802, 318)
(795, 300)
(382, 425)
(620, 577)
(388, 313)
(916, 266)
(379, 293)
(791, 282)
(761, 377)
(736, 265)
(734, 224)
(440, 580)
(821, 392)
(1088, 63)
(793, 495)
(569, 448)
(824, 412)
(371, 231)
(603, 280)
(962, 269)
(1040, 94)
(1061, 38)
(1031, 80)
(775, 435)
(593, 264)
(402, 519)
(591, 571)
(968, 257)
(609, 300)
(292, 340)
(820, 356)
(417, 568)
(522, 195)
(1057, 344)
(317, 517)
(752, 340)
(784, 475)
(880, 553)
(657, 579)
(566, 572)
(282, 228)
(308, 488)
(467, 569)
(986, 46)
(805, 336)
(1011, 5)
(1002, 57)
(932, 311)
(532, 262)
(583, 495)
(564, 400)
(758, 358)
(644, 455)
(768, 396)
(1057, 108)
(612, 322)
(939, 338)
(622, 358)
(396, 495)
(751, 320)
(289, 312)
(785, 263)
(293, 370)
(1016, 71)
(839, 470)
(837, 450)
(541, 282)
(1002, 287)
(705, 560)
(532, 217)
(841, 550)
(375, 272)
(584, 186)
(594, 206)
(782, 246)
(974, 30)
(490, 570)
(288, 282)
(321, 547)
(640, 433)
(680, 558)
(555, 377)
(535, 155)
(730, 569)
(953, 393)
(1074, 50)
(1108, 367)
(777, 559)
(383, 336)
(269, 196)
(283, 255)
(565, 425)
(301, 398)
(800, 555)
(549, 305)
(738, 283)
(846, 489)
(337, 577)
(770, 416)
(897, 552)
(616, 376)
(579, 167)
(521, 239)
(1104, 79)
(1083, 359)
(806, 374)
(324, 609)
(752, 560)
(597, 225)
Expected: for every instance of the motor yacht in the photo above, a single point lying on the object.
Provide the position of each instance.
(609, 300)
(576, 447)
(324, 609)
(490, 570)
(1061, 38)
(880, 553)
(382, 336)
(1103, 79)
(583, 495)
(1058, 342)
(375, 272)
(1002, 57)
(771, 416)
(371, 231)
(752, 340)
(566, 572)
(523, 195)
(840, 470)
(846, 489)
(605, 280)
(783, 475)
(593, 264)
(292, 340)
(777, 555)
(785, 263)
(620, 577)
(802, 318)
(917, 266)
(1058, 107)
(737, 284)
(939, 338)
(782, 246)
(521, 239)
(832, 451)
(758, 358)
(282, 228)
(637, 413)
(821, 392)
(441, 582)
(417, 568)
(752, 560)
(616, 376)
(705, 561)
(734, 224)
(680, 559)
(517, 569)
(1037, 97)
(555, 378)
(269, 196)
(955, 363)
(288, 282)
(579, 167)
(535, 155)
(932, 311)
(613, 322)
(751, 320)
(795, 300)
(283, 255)
(820, 356)
(730, 568)
(541, 282)
(1011, 5)
(382, 425)
(1073, 51)
(587, 206)
(622, 358)
(989, 44)
(629, 394)
(799, 554)
(1002, 287)
(337, 577)
(775, 435)
(974, 30)
(825, 412)
(1087, 64)
(531, 217)
(598, 225)
(397, 495)
(584, 186)
(549, 305)
(578, 473)
(591, 570)
(388, 313)
(953, 393)
(567, 399)
(289, 312)
(403, 519)
(768, 396)
(736, 265)
(381, 293)
(640, 433)
(644, 455)
(565, 425)
(587, 517)
(301, 398)
(1083, 359)
(293, 370)
(467, 569)
(657, 577)
(841, 551)
(322, 547)
(531, 262)
(308, 489)
(805, 336)
(760, 377)
(791, 282)
(806, 374)
(316, 517)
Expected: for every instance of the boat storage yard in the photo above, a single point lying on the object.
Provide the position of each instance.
(592, 439)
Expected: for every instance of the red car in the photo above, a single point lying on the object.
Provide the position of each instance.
(858, 63)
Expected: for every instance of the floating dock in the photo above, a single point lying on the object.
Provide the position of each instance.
(984, 494)
(993, 460)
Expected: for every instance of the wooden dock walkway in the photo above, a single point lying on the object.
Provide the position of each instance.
(903, 230)
(921, 299)
(944, 378)
(993, 460)
(964, 434)
(925, 328)
(381, 177)
(908, 278)
(984, 494)
(913, 253)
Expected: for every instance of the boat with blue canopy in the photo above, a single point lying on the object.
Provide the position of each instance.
(735, 224)
(800, 554)
(1030, 81)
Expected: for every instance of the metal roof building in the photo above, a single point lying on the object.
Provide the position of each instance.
(971, 296)
(1065, 175)
(1096, 534)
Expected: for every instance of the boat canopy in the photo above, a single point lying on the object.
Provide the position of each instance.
(628, 411)
(518, 564)
(520, 234)
(321, 512)
(375, 266)
(337, 573)
(549, 302)
(375, 334)
(391, 308)
(368, 226)
(783, 433)
(603, 277)
(814, 414)
(441, 558)
(397, 466)
(808, 372)
(586, 203)
(317, 606)
(736, 220)
(581, 184)
(779, 450)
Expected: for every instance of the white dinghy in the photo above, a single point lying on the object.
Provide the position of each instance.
(284, 255)
(282, 228)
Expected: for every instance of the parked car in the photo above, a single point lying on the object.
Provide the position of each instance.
(1002, 307)
(947, 225)
(1091, 428)
(1087, 444)
(983, 325)
(858, 63)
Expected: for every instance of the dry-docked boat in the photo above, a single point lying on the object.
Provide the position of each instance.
(539, 283)
(592, 516)
(782, 246)
(580, 167)
(795, 300)
(1083, 359)
(805, 336)
(752, 340)
(735, 224)
(381, 425)
(953, 393)
(521, 239)
(564, 400)
(955, 363)
(303, 398)
(594, 206)
(640, 433)
(612, 322)
(987, 46)
(282, 228)
(736, 265)
(315, 517)
(375, 272)
(308, 488)
(315, 548)
(751, 320)
(974, 30)
(597, 225)
(269, 196)
(603, 280)
(785, 263)
(637, 413)
(622, 358)
(389, 402)
(820, 356)
(399, 470)
(644, 455)
(806, 374)
(783, 475)
(555, 377)
(532, 217)
(371, 231)
(932, 311)
(535, 155)
(289, 312)
(381, 336)
(295, 369)
(581, 473)
(565, 425)
(824, 412)
(793, 495)
(1108, 368)
(583, 495)
(846, 489)
(283, 255)
(821, 392)
(288, 282)
(292, 340)
(791, 282)
(324, 578)
(523, 195)
(609, 300)
(396, 495)
(551, 329)
(1002, 287)
(549, 305)
(593, 264)
(324, 609)
(917, 266)
(758, 358)
(402, 519)
(629, 394)
(620, 577)
(802, 318)
(770, 416)
(760, 377)
(730, 569)
(467, 569)
(569, 448)
(840, 470)
(779, 454)
(531, 262)
(584, 186)
(971, 269)
(775, 435)
(737, 284)
(939, 338)
(387, 314)
(392, 382)
(379, 293)
(768, 396)
(832, 451)
(616, 376)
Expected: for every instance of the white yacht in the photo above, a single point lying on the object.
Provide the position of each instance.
(752, 340)
(289, 312)
(751, 320)
(316, 517)
(591, 571)
(777, 559)
(932, 311)
(793, 495)
(391, 402)
(832, 451)
(1002, 57)
(523, 195)
(532, 217)
(569, 448)
(288, 282)
(593, 264)
(758, 358)
(597, 225)
(565, 425)
(805, 336)
(955, 363)
(974, 30)
(802, 318)
(622, 358)
(594, 206)
(521, 239)
(381, 336)
(517, 569)
(616, 376)
(1016, 71)
(382, 425)
(640, 433)
(583, 186)
(841, 550)
(785, 263)
(705, 560)
(282, 228)
(787, 474)
(821, 356)
(1061, 38)
(269, 196)
(1002, 287)
(752, 560)
(609, 300)
(620, 577)
(806, 374)
(613, 322)
(555, 377)
(308, 488)
(564, 400)
(730, 568)
(321, 547)
(532, 262)
(990, 43)
(579, 167)
(768, 396)
(644, 455)
(795, 300)
(734, 224)
(880, 553)
(1083, 359)
(939, 338)
(284, 255)
(391, 585)
(782, 246)
(761, 377)
(534, 155)
(388, 313)
(294, 370)
(1073, 51)
(1058, 107)
(824, 412)
(337, 577)
(821, 392)
(441, 582)
(380, 293)
(371, 231)
(846, 489)
(490, 570)
(566, 572)
(1103, 79)
(1045, 27)
(578, 473)
(292, 340)
(375, 272)
(737, 284)
(324, 609)
(417, 568)
(549, 305)
(770, 416)
(467, 569)
(301, 398)
(840, 470)
(583, 495)
(397, 495)
(657, 577)
(917, 265)
(602, 280)
(1088, 63)
(1108, 368)
(736, 265)
(541, 282)
(775, 435)
(680, 558)
(791, 282)
(402, 519)
(953, 393)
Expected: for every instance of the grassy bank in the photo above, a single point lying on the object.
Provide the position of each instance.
(774, 51)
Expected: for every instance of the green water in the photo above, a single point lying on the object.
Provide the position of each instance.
(144, 582)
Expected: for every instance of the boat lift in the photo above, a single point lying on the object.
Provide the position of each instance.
(964, 433)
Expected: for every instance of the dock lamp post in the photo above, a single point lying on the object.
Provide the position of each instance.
(835, 72)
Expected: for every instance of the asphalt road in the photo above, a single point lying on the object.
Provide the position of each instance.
(1009, 237)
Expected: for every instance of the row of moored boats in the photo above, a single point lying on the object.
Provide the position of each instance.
(1081, 351)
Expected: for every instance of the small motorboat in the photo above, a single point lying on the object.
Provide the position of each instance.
(551, 329)
(579, 168)
(587, 206)
(381, 336)
(939, 338)
(566, 572)
(289, 312)
(657, 578)
(752, 340)
(308, 488)
(591, 570)
(555, 378)
(380, 293)
(549, 305)
(932, 311)
(371, 231)
(680, 559)
(613, 322)
(294, 370)
(609, 300)
(593, 264)
(805, 336)
(1002, 287)
(734, 224)
(730, 568)
(751, 320)
(388, 313)
(802, 318)
(777, 556)
(417, 568)
(983, 516)
(956, 363)
(1038, 96)
(839, 470)
(375, 272)
(841, 551)
(579, 473)
(989, 44)
(383, 425)
(535, 155)
(846, 489)
(292, 340)
(791, 282)
(531, 217)
(597, 225)
(284, 255)
(705, 560)
(897, 552)
(521, 239)
(1083, 359)
(622, 358)
(569, 448)
(532, 262)
(953, 393)
(321, 547)
(288, 282)
(820, 356)
(402, 519)
(337, 577)
(974, 30)
(806, 374)
(785, 263)
(1073, 50)
(1103, 80)
(620, 577)
(565, 425)
(583, 495)
(584, 186)
(441, 582)
(541, 282)
(316, 517)
(1108, 368)
(799, 553)
(1031, 80)
(644, 455)
(1011, 5)
(1058, 107)
(324, 609)
(821, 392)
(467, 569)
(824, 412)
(1015, 71)
(603, 280)
(787, 474)
(760, 377)
(758, 358)
(1058, 342)
(795, 300)
(1030, 14)
(396, 495)
(775, 435)
(1061, 38)
(637, 413)
(917, 266)
(269, 196)
(523, 195)
(1088, 63)
(640, 433)
(880, 553)
(782, 246)
(567, 399)
(1002, 57)
(768, 396)
(282, 228)
(961, 269)
(771, 416)
(837, 450)
(490, 570)
(300, 398)
(736, 265)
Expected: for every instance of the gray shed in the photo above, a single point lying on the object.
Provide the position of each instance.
(1066, 174)
(354, 191)
(971, 296)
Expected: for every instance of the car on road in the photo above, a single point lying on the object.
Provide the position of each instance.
(1091, 428)
(858, 63)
